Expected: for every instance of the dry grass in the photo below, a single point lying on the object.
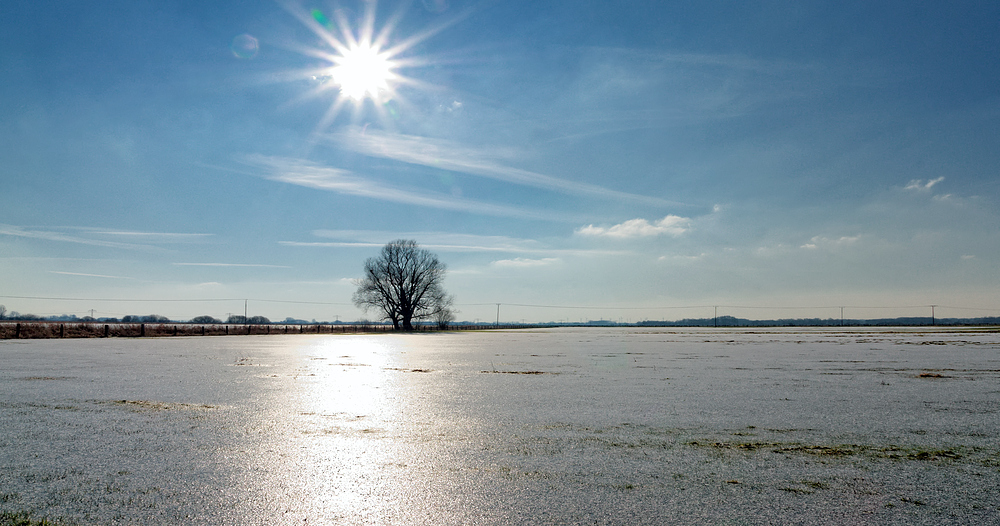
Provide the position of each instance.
(43, 330)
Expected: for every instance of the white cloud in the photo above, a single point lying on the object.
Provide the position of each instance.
(968, 257)
(228, 265)
(446, 242)
(312, 175)
(698, 257)
(454, 157)
(920, 186)
(52, 235)
(633, 228)
(86, 275)
(525, 263)
(820, 241)
(154, 237)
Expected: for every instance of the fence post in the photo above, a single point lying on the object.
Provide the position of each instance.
(62, 328)
(106, 329)
(17, 331)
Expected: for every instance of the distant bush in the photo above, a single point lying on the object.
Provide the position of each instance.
(151, 318)
(205, 320)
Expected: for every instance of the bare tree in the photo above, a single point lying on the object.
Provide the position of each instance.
(403, 284)
(3, 310)
(443, 313)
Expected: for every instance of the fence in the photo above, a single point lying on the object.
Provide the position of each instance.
(46, 329)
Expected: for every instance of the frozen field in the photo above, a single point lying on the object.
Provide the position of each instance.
(575, 426)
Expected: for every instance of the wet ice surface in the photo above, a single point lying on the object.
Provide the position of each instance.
(607, 426)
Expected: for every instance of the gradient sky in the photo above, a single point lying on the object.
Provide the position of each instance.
(647, 160)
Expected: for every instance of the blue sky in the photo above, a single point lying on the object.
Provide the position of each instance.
(645, 160)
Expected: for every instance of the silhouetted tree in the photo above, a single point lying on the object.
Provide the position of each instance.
(3, 311)
(403, 284)
(443, 313)
(258, 320)
(205, 319)
(236, 318)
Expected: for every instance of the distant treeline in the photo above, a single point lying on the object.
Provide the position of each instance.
(34, 329)
(721, 321)
(156, 318)
(731, 321)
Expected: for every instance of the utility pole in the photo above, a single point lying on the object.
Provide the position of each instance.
(245, 322)
(841, 316)
(933, 321)
(716, 315)
(498, 315)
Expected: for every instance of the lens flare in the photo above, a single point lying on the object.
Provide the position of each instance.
(320, 18)
(244, 46)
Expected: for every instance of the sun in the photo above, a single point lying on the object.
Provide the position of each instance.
(357, 67)
(362, 72)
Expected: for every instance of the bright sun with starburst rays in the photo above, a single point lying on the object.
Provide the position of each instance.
(361, 71)
(359, 67)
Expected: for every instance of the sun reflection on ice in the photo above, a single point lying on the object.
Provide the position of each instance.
(350, 377)
(351, 408)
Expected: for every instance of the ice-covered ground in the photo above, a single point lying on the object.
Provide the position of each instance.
(616, 426)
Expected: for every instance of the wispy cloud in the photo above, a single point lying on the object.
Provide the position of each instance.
(451, 240)
(53, 235)
(920, 186)
(820, 241)
(450, 156)
(87, 275)
(463, 248)
(525, 263)
(447, 242)
(698, 257)
(153, 237)
(228, 265)
(312, 175)
(99, 237)
(634, 228)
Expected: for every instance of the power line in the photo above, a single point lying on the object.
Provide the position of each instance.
(115, 299)
(175, 300)
(751, 307)
(526, 305)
